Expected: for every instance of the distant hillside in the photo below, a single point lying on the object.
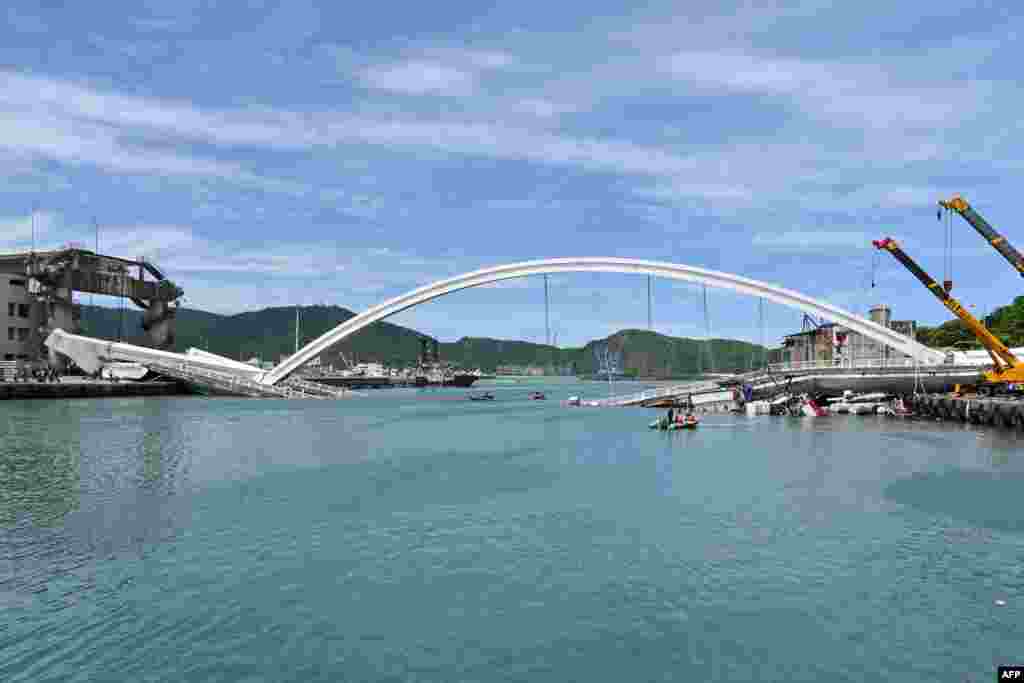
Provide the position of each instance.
(270, 333)
(1006, 322)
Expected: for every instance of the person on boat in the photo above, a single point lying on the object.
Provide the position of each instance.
(671, 413)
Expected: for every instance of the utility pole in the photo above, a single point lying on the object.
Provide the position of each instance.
(707, 325)
(547, 313)
(92, 301)
(649, 325)
(760, 322)
(296, 329)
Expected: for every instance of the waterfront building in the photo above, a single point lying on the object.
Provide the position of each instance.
(26, 319)
(830, 342)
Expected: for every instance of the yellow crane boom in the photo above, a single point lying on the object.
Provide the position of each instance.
(998, 242)
(1007, 368)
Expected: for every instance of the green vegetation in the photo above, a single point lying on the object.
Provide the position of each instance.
(1006, 322)
(270, 333)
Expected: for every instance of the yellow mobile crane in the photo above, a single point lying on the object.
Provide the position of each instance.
(1007, 373)
(998, 242)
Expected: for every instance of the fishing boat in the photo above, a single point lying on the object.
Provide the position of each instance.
(810, 408)
(537, 396)
(486, 396)
(689, 422)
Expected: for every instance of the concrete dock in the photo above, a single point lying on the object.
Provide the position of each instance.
(74, 388)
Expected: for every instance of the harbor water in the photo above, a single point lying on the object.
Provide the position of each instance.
(412, 535)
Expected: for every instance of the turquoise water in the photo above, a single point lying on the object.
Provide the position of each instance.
(416, 536)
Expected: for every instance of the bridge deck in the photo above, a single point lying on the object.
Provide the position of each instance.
(867, 377)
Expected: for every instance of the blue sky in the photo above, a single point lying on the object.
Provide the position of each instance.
(277, 153)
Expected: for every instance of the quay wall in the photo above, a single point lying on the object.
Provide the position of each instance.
(1007, 413)
(88, 389)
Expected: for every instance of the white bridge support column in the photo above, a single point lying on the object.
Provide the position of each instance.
(673, 271)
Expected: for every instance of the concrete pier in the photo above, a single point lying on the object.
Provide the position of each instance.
(88, 389)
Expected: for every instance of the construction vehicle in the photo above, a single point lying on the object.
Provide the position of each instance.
(998, 242)
(1007, 373)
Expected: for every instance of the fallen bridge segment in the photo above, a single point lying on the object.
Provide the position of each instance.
(203, 371)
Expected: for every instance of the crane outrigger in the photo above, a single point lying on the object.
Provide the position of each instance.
(1007, 373)
(998, 242)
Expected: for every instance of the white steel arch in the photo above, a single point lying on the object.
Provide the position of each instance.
(596, 264)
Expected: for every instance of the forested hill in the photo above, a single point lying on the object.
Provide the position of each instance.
(270, 333)
(1006, 322)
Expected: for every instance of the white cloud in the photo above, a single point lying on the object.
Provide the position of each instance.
(326, 270)
(72, 124)
(479, 60)
(543, 108)
(686, 190)
(856, 94)
(16, 232)
(800, 240)
(420, 78)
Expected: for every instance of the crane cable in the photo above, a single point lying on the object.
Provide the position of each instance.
(874, 265)
(947, 254)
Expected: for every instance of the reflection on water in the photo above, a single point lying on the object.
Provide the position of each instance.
(388, 537)
(39, 477)
(39, 485)
(81, 480)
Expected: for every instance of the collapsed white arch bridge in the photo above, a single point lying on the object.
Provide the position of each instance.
(598, 264)
(224, 374)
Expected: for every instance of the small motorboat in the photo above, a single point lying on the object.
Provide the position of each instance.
(486, 396)
(897, 409)
(573, 401)
(810, 408)
(537, 396)
(688, 422)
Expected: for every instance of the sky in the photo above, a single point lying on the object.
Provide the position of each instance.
(282, 153)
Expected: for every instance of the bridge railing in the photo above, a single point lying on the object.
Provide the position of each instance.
(660, 392)
(855, 363)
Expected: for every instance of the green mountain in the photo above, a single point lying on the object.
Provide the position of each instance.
(270, 333)
(1006, 322)
(267, 334)
(635, 352)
